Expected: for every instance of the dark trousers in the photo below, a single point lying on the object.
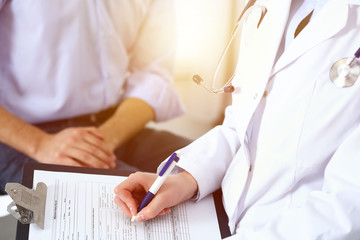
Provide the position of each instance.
(143, 152)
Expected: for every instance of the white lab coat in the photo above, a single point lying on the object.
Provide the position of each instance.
(288, 161)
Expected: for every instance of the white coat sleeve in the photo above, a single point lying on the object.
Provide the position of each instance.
(208, 158)
(330, 213)
(152, 59)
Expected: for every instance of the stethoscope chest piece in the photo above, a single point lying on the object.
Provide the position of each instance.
(345, 72)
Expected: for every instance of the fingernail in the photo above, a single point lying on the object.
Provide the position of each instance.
(113, 165)
(140, 218)
(162, 213)
(106, 166)
(133, 212)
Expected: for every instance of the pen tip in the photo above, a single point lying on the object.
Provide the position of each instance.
(133, 219)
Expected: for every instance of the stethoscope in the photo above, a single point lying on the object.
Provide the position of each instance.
(343, 72)
(228, 87)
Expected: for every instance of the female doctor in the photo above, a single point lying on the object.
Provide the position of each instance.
(287, 156)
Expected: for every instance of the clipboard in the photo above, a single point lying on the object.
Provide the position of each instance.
(22, 231)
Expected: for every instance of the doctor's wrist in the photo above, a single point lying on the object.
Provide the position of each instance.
(190, 184)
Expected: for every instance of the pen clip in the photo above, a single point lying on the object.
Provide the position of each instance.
(172, 158)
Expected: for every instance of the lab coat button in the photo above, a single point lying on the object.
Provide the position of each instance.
(265, 94)
(250, 168)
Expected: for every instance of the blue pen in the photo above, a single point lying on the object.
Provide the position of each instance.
(165, 171)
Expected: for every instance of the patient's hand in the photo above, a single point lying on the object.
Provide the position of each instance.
(81, 146)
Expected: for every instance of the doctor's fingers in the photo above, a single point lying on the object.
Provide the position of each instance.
(125, 200)
(158, 206)
(127, 210)
(131, 211)
(176, 189)
(131, 191)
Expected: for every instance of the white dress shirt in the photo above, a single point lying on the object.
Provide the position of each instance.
(60, 59)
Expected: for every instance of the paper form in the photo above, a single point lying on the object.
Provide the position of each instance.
(81, 206)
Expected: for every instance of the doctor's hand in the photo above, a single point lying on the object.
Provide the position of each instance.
(176, 189)
(81, 146)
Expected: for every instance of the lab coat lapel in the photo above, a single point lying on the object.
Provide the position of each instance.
(254, 68)
(329, 21)
(256, 59)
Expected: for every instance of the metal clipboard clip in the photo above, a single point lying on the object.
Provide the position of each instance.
(28, 205)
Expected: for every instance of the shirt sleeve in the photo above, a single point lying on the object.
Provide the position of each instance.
(330, 213)
(151, 62)
(2, 3)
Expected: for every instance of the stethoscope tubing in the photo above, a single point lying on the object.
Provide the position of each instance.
(336, 74)
(227, 87)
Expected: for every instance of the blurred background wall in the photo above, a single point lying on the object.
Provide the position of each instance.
(203, 29)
